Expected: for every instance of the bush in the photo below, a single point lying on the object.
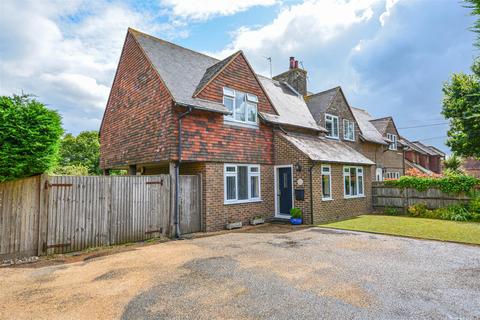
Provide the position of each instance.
(29, 137)
(450, 184)
(391, 211)
(474, 205)
(417, 210)
(72, 170)
(296, 213)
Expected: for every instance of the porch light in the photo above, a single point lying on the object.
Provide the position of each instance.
(298, 167)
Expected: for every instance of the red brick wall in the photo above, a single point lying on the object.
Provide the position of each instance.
(137, 124)
(207, 138)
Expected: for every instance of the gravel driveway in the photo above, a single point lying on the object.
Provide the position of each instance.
(307, 274)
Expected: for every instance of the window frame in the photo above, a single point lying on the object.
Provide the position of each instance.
(250, 174)
(346, 124)
(392, 175)
(333, 118)
(393, 145)
(250, 101)
(359, 172)
(330, 181)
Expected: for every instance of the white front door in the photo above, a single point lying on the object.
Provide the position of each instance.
(379, 174)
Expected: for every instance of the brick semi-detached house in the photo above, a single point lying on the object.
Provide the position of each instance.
(252, 139)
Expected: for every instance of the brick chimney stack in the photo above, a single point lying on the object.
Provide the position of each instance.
(295, 77)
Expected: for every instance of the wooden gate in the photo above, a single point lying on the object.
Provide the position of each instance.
(93, 211)
(190, 204)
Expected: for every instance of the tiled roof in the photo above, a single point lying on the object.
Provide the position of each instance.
(381, 124)
(326, 150)
(425, 148)
(212, 71)
(319, 102)
(368, 130)
(181, 69)
(291, 107)
(418, 167)
(471, 164)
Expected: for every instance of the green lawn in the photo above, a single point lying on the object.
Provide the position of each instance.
(466, 232)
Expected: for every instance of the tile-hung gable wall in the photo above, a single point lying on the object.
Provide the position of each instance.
(207, 137)
(138, 121)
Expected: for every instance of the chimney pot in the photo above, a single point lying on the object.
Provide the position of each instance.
(296, 64)
(292, 62)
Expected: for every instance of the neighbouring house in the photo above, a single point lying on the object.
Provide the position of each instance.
(426, 159)
(377, 139)
(471, 166)
(252, 139)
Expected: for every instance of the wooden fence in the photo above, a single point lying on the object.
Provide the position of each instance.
(392, 197)
(59, 214)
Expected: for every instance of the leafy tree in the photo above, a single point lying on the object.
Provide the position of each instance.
(452, 163)
(72, 170)
(29, 137)
(474, 5)
(82, 150)
(461, 105)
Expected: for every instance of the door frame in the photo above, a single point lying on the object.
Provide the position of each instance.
(275, 175)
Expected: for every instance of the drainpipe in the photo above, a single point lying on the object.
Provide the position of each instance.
(177, 173)
(311, 192)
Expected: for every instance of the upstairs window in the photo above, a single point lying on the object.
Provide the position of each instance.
(331, 124)
(393, 143)
(353, 182)
(243, 106)
(348, 130)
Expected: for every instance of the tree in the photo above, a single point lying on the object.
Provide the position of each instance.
(82, 150)
(461, 102)
(29, 137)
(461, 105)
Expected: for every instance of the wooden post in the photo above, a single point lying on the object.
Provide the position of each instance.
(173, 200)
(43, 215)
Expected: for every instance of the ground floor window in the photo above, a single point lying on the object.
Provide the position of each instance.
(326, 183)
(353, 181)
(241, 183)
(392, 175)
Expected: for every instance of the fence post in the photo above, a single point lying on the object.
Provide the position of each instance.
(43, 215)
(173, 200)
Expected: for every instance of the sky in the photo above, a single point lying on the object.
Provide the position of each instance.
(391, 57)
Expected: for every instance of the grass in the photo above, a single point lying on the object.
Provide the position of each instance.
(464, 232)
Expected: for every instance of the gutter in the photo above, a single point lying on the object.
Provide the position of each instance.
(177, 173)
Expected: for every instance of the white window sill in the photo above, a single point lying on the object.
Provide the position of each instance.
(240, 124)
(351, 140)
(354, 197)
(242, 201)
(333, 138)
(327, 199)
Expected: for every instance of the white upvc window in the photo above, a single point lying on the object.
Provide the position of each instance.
(241, 183)
(392, 175)
(243, 106)
(348, 130)
(393, 143)
(331, 124)
(353, 182)
(326, 182)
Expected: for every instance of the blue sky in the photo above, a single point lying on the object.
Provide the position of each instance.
(391, 57)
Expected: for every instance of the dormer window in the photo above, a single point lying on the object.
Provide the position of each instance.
(243, 106)
(331, 124)
(393, 143)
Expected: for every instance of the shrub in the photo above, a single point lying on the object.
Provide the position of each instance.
(417, 210)
(450, 184)
(29, 137)
(391, 211)
(296, 213)
(474, 205)
(72, 170)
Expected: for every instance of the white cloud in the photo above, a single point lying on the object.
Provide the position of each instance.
(66, 52)
(303, 25)
(389, 4)
(206, 9)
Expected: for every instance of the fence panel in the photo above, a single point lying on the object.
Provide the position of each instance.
(19, 211)
(190, 204)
